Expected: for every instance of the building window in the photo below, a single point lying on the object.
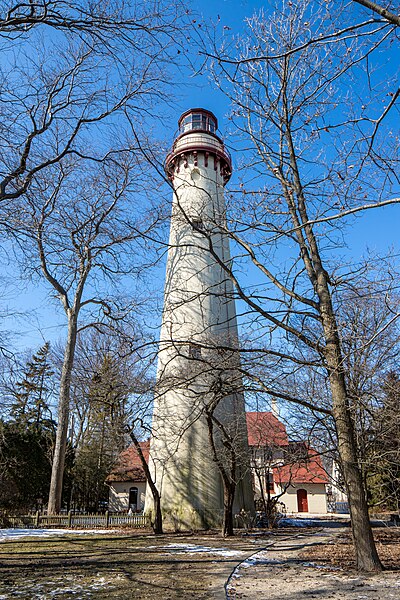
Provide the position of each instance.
(198, 223)
(197, 122)
(270, 482)
(187, 124)
(133, 499)
(194, 351)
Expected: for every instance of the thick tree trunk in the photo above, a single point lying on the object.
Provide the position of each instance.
(367, 558)
(157, 525)
(158, 521)
(366, 555)
(57, 473)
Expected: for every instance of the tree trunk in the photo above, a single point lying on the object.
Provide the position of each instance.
(157, 524)
(366, 555)
(367, 558)
(57, 472)
(227, 472)
(227, 524)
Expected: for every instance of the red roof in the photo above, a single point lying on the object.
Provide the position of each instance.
(128, 466)
(264, 429)
(310, 471)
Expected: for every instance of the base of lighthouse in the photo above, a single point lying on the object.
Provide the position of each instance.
(190, 484)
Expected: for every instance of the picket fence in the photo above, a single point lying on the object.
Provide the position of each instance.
(77, 521)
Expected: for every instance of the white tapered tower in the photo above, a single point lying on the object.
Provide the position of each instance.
(198, 358)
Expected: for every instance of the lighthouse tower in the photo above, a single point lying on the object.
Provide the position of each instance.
(199, 418)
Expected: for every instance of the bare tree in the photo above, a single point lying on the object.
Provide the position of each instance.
(73, 230)
(317, 157)
(225, 435)
(74, 71)
(380, 10)
(78, 85)
(102, 21)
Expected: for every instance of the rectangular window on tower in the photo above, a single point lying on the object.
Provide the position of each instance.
(194, 351)
(198, 223)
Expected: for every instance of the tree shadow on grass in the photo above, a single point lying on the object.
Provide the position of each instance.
(124, 565)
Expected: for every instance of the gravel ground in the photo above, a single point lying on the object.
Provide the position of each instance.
(284, 570)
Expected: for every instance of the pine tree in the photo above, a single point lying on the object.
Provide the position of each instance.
(104, 436)
(25, 465)
(384, 483)
(27, 437)
(33, 392)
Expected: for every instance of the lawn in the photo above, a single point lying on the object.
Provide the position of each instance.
(340, 553)
(119, 565)
(125, 564)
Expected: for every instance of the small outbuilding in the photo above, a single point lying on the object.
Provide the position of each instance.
(292, 472)
(127, 481)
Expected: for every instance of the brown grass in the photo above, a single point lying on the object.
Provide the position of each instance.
(117, 566)
(341, 554)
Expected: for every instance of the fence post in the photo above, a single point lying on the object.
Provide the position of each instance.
(107, 518)
(37, 519)
(69, 519)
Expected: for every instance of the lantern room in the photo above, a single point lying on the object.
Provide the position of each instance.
(198, 141)
(197, 119)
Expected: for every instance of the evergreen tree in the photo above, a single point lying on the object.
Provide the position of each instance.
(25, 465)
(384, 482)
(27, 437)
(104, 435)
(33, 391)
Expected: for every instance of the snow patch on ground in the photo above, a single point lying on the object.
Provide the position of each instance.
(12, 534)
(255, 560)
(298, 522)
(195, 549)
(66, 586)
(325, 567)
(258, 560)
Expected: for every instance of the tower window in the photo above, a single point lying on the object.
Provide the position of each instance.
(194, 351)
(198, 223)
(197, 121)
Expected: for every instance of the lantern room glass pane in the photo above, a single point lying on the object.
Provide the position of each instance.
(187, 123)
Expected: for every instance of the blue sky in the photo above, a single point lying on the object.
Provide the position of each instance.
(376, 230)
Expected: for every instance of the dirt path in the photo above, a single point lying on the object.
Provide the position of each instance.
(279, 572)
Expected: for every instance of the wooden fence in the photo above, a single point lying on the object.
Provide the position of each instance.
(71, 520)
